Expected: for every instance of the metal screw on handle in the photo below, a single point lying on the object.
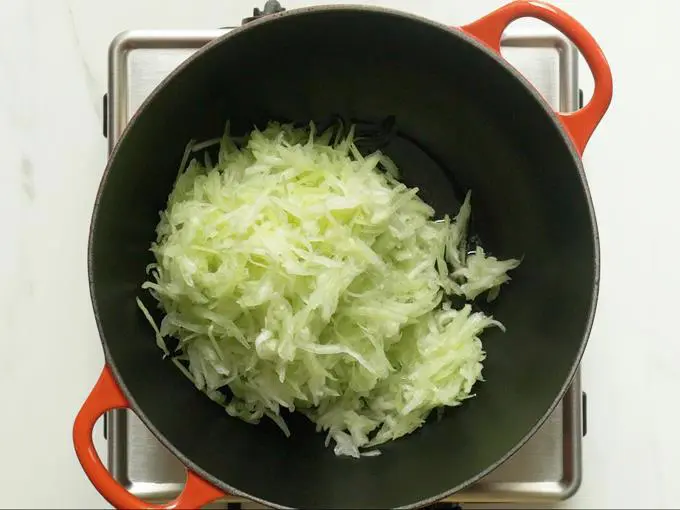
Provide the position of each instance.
(443, 506)
(270, 7)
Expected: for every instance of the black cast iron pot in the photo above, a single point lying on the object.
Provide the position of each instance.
(464, 119)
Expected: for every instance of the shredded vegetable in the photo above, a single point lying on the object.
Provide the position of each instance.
(297, 274)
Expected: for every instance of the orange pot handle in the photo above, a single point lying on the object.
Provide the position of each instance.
(105, 396)
(579, 124)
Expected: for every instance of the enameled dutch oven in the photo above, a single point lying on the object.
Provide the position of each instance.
(465, 119)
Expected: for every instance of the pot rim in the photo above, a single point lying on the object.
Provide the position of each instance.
(452, 30)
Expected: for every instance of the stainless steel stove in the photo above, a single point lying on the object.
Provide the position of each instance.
(547, 469)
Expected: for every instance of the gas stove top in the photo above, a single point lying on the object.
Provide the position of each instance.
(545, 470)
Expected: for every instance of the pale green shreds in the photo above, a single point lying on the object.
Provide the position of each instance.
(304, 276)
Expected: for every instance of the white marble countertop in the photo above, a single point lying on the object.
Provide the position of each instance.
(52, 77)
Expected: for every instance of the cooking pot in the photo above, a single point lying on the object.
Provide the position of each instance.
(463, 119)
